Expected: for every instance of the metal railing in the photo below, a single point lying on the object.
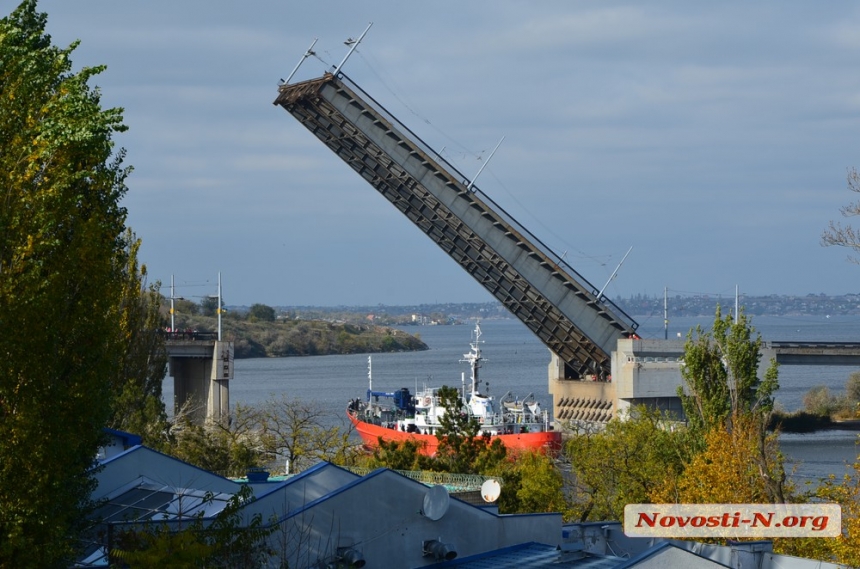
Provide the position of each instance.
(188, 335)
(457, 482)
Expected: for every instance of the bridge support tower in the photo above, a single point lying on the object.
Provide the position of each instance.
(201, 371)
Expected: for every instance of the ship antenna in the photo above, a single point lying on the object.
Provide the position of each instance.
(474, 357)
(369, 376)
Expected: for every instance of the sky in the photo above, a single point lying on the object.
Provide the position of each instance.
(714, 138)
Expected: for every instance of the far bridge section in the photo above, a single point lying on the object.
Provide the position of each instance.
(536, 285)
(201, 367)
(813, 353)
(648, 372)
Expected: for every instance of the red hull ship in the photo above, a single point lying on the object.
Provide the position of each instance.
(520, 424)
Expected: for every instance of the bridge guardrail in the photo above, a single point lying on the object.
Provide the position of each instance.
(188, 335)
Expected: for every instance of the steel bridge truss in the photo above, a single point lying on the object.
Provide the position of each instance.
(488, 244)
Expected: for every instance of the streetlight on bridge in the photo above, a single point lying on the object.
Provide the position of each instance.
(172, 298)
(219, 310)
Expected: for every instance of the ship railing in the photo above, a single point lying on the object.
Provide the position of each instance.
(518, 416)
(458, 482)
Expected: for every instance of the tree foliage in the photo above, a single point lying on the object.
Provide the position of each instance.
(301, 433)
(229, 447)
(740, 466)
(852, 389)
(720, 372)
(261, 312)
(461, 447)
(255, 338)
(844, 549)
(625, 463)
(820, 401)
(62, 257)
(138, 406)
(531, 482)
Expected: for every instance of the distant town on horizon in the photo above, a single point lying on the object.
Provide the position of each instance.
(636, 305)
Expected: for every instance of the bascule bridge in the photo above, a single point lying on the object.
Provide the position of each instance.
(580, 327)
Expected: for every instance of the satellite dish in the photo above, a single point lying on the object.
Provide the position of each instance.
(436, 502)
(490, 490)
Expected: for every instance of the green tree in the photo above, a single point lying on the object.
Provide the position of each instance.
(625, 463)
(209, 306)
(229, 447)
(724, 394)
(819, 401)
(302, 433)
(405, 455)
(741, 465)
(720, 373)
(62, 257)
(138, 407)
(183, 306)
(461, 448)
(852, 390)
(531, 482)
(262, 313)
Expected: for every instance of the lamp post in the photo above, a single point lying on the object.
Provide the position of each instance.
(219, 306)
(172, 298)
(218, 310)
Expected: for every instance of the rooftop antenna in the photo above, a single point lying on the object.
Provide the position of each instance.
(308, 53)
(614, 273)
(490, 490)
(354, 44)
(436, 502)
(487, 161)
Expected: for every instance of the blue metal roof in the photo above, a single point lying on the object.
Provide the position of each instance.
(533, 556)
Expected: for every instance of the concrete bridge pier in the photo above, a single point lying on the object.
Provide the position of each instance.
(201, 371)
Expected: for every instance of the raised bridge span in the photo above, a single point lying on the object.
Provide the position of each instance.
(590, 339)
(535, 284)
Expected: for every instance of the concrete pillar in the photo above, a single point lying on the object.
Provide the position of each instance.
(201, 374)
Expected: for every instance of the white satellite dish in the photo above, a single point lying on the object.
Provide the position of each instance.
(436, 502)
(490, 490)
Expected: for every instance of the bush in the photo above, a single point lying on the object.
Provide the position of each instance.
(819, 401)
(798, 422)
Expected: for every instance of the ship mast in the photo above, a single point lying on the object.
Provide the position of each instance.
(474, 358)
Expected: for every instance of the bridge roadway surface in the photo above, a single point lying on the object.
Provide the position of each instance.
(200, 345)
(813, 353)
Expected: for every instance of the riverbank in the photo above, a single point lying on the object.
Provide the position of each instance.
(293, 337)
(801, 422)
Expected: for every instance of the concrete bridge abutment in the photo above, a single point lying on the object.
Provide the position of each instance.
(201, 371)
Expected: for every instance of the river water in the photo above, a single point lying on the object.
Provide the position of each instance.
(517, 361)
